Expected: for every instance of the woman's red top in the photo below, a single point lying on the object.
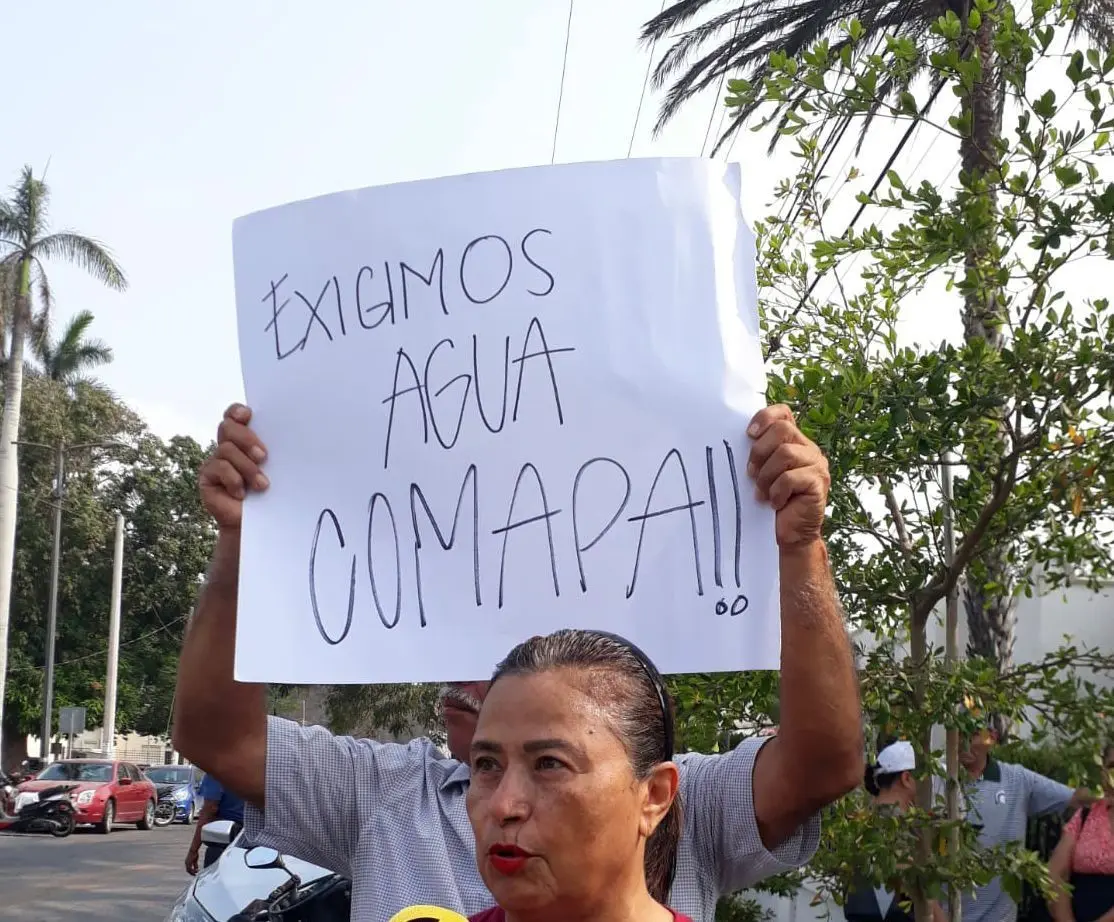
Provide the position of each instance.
(495, 914)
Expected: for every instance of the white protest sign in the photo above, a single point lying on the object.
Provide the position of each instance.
(497, 405)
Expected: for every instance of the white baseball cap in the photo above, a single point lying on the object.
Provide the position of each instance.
(896, 758)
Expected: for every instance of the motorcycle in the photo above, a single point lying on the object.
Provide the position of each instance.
(42, 811)
(328, 899)
(167, 807)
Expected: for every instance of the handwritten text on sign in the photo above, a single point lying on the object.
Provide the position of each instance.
(497, 405)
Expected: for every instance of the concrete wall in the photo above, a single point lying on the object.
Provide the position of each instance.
(130, 747)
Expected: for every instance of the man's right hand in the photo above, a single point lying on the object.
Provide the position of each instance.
(233, 469)
(192, 862)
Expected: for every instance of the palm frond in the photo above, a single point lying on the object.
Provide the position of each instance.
(75, 330)
(1095, 19)
(699, 57)
(30, 198)
(68, 359)
(10, 235)
(9, 298)
(41, 286)
(88, 254)
(92, 353)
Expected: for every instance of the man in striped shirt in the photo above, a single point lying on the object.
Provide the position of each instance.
(393, 818)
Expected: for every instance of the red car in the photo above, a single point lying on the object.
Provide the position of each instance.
(103, 793)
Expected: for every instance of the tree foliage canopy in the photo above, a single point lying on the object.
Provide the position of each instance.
(168, 540)
(1030, 422)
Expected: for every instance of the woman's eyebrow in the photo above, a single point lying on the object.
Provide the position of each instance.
(490, 747)
(555, 743)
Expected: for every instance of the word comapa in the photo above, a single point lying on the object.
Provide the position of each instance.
(386, 292)
(394, 527)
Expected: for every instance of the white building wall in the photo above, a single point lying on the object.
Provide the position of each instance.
(130, 747)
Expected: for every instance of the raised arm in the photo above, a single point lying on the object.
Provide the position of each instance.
(1048, 796)
(318, 789)
(219, 724)
(817, 755)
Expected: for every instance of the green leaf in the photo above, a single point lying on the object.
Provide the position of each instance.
(1045, 106)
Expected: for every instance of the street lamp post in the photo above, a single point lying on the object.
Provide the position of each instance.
(58, 493)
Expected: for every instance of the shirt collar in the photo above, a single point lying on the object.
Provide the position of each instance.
(458, 776)
(992, 772)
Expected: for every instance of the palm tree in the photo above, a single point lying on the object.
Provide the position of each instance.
(25, 245)
(738, 41)
(69, 358)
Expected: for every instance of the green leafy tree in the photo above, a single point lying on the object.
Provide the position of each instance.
(168, 541)
(73, 355)
(398, 710)
(1028, 415)
(26, 245)
(944, 45)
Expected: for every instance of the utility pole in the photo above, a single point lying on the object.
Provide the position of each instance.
(951, 659)
(109, 723)
(59, 493)
(52, 617)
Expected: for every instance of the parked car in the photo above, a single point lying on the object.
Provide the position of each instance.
(178, 785)
(106, 792)
(229, 885)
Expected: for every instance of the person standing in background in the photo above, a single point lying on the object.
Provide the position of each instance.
(218, 804)
(1084, 858)
(1001, 798)
(891, 784)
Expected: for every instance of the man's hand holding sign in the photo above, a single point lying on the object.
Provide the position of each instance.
(352, 805)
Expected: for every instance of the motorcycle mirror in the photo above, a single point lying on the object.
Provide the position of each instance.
(263, 857)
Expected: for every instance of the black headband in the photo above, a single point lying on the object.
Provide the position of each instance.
(656, 680)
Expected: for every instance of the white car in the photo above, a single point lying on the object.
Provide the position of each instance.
(235, 881)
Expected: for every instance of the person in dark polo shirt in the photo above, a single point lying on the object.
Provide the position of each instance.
(219, 804)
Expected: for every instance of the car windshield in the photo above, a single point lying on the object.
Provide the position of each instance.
(171, 774)
(76, 771)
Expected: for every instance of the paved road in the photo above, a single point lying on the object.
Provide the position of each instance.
(88, 877)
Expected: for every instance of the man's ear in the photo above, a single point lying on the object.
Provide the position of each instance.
(661, 791)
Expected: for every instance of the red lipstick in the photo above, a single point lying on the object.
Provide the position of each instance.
(507, 859)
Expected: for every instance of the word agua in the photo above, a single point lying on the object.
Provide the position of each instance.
(528, 507)
(373, 298)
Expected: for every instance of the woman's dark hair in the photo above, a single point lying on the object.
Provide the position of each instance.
(633, 693)
(875, 784)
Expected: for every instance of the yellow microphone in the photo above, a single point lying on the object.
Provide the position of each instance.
(427, 914)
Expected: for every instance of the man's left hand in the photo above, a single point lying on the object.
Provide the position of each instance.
(791, 473)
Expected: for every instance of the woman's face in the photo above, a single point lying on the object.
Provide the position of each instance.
(556, 810)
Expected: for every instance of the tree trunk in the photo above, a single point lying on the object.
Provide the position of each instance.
(13, 750)
(989, 587)
(9, 471)
(919, 653)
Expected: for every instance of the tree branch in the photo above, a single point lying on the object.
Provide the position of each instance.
(1004, 482)
(895, 513)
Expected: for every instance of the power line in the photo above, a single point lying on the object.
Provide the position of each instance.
(78, 659)
(719, 93)
(775, 336)
(561, 92)
(645, 84)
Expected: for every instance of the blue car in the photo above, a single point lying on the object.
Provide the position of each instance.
(177, 790)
